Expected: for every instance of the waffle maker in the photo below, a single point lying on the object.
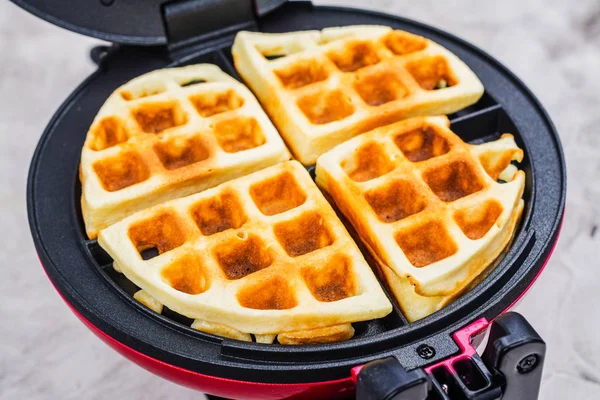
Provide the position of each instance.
(433, 358)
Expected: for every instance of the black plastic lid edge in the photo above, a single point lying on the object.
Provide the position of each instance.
(138, 40)
(261, 8)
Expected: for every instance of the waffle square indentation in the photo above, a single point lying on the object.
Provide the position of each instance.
(304, 234)
(162, 232)
(422, 144)
(277, 194)
(242, 256)
(380, 88)
(453, 181)
(211, 103)
(109, 132)
(186, 275)
(219, 213)
(179, 152)
(122, 170)
(403, 43)
(323, 108)
(432, 73)
(272, 294)
(395, 201)
(354, 56)
(158, 117)
(368, 162)
(426, 244)
(476, 221)
(333, 281)
(239, 134)
(301, 73)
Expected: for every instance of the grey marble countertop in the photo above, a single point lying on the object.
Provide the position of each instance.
(554, 46)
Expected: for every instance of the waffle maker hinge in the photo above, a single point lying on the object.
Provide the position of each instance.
(191, 22)
(188, 22)
(510, 368)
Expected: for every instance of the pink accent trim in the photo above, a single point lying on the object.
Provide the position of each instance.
(355, 371)
(463, 339)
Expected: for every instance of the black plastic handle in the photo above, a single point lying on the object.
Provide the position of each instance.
(509, 369)
(517, 352)
(387, 379)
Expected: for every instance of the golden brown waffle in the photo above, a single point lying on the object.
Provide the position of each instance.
(427, 205)
(167, 134)
(264, 254)
(329, 86)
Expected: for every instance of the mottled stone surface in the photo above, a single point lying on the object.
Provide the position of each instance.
(554, 46)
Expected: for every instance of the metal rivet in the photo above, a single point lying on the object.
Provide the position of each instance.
(528, 364)
(425, 351)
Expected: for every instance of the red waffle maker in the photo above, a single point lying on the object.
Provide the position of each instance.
(433, 358)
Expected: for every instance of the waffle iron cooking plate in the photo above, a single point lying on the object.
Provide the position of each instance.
(81, 271)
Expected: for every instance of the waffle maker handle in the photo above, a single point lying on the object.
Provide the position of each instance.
(510, 367)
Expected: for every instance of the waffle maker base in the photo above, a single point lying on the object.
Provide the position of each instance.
(165, 344)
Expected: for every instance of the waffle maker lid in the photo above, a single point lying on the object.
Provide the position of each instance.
(141, 22)
(81, 271)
